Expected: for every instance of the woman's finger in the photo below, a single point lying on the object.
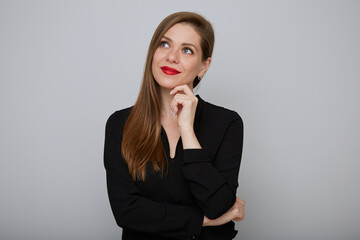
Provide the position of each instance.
(174, 106)
(181, 99)
(241, 201)
(182, 88)
(180, 103)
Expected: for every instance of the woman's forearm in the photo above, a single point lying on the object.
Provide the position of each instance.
(236, 213)
(189, 139)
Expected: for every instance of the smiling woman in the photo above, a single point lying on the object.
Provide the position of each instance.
(172, 160)
(179, 54)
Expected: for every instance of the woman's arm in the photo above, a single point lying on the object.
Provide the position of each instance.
(236, 213)
(213, 182)
(134, 211)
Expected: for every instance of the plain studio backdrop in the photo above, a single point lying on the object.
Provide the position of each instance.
(291, 69)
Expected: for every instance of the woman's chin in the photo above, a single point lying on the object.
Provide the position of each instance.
(168, 84)
(171, 85)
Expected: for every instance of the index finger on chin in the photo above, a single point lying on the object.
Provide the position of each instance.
(184, 88)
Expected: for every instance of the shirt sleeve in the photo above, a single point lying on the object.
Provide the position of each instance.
(134, 211)
(213, 180)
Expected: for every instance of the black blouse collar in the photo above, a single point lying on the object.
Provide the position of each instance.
(199, 109)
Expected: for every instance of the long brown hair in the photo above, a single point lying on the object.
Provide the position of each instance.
(141, 141)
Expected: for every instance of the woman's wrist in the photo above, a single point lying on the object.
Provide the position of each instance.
(206, 221)
(189, 139)
(186, 130)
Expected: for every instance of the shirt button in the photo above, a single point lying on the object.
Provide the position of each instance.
(193, 237)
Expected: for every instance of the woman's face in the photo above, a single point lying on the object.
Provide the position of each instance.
(178, 59)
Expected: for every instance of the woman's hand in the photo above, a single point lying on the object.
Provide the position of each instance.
(236, 213)
(184, 107)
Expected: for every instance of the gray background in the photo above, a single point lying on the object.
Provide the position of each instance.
(290, 68)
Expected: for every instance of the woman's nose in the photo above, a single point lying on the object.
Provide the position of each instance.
(173, 56)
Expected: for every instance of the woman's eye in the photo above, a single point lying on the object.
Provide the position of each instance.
(188, 50)
(164, 44)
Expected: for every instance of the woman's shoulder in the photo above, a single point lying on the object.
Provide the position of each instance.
(118, 118)
(219, 112)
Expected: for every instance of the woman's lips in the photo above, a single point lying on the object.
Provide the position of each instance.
(169, 71)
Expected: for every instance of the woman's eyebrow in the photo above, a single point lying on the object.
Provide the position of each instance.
(184, 44)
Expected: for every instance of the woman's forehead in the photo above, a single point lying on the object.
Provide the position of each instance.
(183, 33)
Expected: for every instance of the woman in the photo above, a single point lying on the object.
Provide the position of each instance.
(172, 160)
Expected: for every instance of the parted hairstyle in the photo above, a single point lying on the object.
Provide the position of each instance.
(141, 142)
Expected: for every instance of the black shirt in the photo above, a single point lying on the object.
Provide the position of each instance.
(199, 181)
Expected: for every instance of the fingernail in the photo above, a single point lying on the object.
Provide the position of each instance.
(171, 92)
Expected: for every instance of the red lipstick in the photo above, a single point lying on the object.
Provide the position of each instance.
(169, 71)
